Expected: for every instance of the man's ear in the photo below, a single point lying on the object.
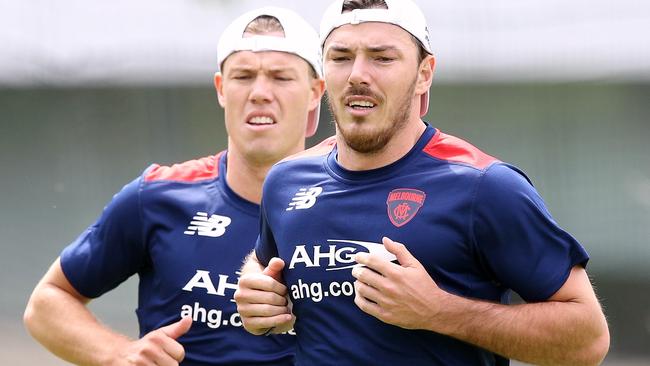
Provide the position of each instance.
(425, 74)
(317, 89)
(218, 86)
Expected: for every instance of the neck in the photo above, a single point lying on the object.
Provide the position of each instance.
(245, 177)
(398, 146)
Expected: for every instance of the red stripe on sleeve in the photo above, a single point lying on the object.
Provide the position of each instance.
(189, 171)
(451, 148)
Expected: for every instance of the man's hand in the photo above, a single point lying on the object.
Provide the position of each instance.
(262, 300)
(158, 347)
(400, 294)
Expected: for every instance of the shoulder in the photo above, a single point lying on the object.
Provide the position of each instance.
(457, 151)
(504, 173)
(321, 149)
(493, 178)
(195, 170)
(295, 168)
(505, 180)
(312, 157)
(506, 187)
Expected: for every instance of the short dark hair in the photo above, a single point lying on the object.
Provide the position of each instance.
(349, 5)
(265, 24)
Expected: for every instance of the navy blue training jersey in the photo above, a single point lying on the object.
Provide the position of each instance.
(185, 233)
(476, 224)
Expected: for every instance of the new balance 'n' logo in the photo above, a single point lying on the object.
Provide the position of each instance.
(305, 198)
(213, 226)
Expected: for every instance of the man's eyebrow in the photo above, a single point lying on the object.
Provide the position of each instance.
(336, 48)
(382, 48)
(373, 49)
(282, 69)
(253, 70)
(240, 68)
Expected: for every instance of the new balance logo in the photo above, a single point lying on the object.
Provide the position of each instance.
(305, 198)
(202, 225)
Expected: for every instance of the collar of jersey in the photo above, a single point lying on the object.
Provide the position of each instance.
(365, 176)
(236, 200)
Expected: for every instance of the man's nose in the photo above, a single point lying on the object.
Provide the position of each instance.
(360, 72)
(262, 90)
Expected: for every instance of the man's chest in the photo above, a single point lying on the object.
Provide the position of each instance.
(200, 249)
(319, 228)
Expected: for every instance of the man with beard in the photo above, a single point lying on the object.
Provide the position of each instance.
(398, 244)
(184, 229)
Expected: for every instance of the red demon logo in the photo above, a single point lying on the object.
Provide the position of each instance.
(403, 204)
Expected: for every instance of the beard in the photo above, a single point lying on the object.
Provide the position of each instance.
(369, 140)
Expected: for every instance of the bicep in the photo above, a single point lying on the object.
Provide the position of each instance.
(577, 288)
(56, 279)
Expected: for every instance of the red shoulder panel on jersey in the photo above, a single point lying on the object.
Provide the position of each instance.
(323, 148)
(189, 171)
(451, 148)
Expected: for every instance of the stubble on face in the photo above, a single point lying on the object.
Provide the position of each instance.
(372, 140)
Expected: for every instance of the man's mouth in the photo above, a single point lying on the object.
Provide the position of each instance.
(360, 104)
(261, 120)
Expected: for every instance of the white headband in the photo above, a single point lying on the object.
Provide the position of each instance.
(402, 13)
(300, 38)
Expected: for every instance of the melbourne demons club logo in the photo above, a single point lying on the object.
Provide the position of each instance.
(403, 204)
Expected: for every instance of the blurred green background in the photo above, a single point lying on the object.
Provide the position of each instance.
(65, 152)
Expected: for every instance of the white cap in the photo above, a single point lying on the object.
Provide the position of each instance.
(299, 39)
(402, 13)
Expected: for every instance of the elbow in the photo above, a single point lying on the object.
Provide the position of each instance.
(596, 352)
(598, 348)
(36, 311)
(590, 351)
(593, 353)
(30, 316)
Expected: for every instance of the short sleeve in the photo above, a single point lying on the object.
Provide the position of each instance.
(111, 250)
(517, 238)
(265, 247)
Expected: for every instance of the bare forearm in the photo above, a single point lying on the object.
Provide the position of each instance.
(547, 333)
(567, 329)
(68, 329)
(251, 264)
(58, 318)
